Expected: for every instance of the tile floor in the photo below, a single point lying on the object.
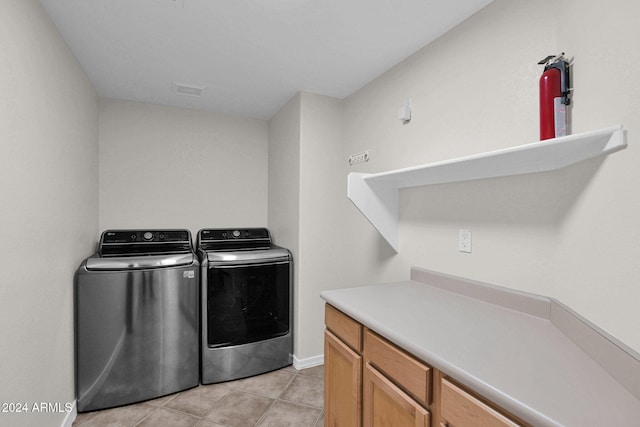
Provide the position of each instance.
(286, 397)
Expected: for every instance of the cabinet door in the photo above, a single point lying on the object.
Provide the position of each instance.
(342, 384)
(385, 405)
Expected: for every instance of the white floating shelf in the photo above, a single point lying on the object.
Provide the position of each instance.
(376, 195)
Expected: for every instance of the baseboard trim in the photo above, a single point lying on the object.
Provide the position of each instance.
(71, 416)
(308, 362)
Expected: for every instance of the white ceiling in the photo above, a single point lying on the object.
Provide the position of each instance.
(250, 56)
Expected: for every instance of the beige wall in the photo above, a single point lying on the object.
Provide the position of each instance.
(284, 175)
(48, 208)
(284, 189)
(322, 201)
(570, 234)
(306, 201)
(164, 167)
(597, 268)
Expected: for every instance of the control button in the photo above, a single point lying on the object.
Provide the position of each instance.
(134, 237)
(236, 233)
(147, 236)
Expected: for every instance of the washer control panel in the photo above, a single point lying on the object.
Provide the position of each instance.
(144, 242)
(136, 236)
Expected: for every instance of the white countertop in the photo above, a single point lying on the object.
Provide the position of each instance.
(519, 361)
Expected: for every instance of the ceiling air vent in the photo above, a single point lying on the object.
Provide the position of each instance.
(187, 89)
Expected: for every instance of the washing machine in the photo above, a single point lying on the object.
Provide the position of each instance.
(136, 318)
(247, 304)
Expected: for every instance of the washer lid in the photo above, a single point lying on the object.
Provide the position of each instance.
(138, 262)
(248, 256)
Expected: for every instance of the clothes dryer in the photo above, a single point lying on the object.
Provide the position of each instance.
(246, 300)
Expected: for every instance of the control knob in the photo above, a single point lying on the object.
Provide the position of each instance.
(236, 233)
(147, 236)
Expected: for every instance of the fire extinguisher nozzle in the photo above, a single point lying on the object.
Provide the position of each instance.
(547, 59)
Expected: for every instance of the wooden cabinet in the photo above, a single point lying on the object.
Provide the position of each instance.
(459, 408)
(371, 382)
(385, 404)
(342, 370)
(405, 370)
(396, 386)
(392, 390)
(342, 384)
(344, 327)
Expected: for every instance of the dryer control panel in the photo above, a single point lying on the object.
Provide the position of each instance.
(242, 238)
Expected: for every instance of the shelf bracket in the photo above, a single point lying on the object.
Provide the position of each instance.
(378, 203)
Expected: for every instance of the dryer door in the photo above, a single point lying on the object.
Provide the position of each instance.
(247, 303)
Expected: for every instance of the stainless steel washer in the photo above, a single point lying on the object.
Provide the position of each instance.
(136, 318)
(246, 304)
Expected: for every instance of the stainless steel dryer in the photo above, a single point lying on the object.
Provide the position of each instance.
(136, 318)
(246, 304)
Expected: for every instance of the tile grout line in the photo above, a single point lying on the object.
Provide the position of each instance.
(259, 420)
(210, 411)
(147, 416)
(264, 414)
(272, 399)
(280, 399)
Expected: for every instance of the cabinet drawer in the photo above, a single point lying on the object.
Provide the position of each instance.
(344, 327)
(405, 370)
(459, 408)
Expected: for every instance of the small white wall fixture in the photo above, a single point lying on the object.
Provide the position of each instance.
(377, 195)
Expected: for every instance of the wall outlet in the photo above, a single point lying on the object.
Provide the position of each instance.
(354, 159)
(464, 241)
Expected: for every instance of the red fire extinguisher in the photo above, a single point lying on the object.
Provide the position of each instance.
(554, 96)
